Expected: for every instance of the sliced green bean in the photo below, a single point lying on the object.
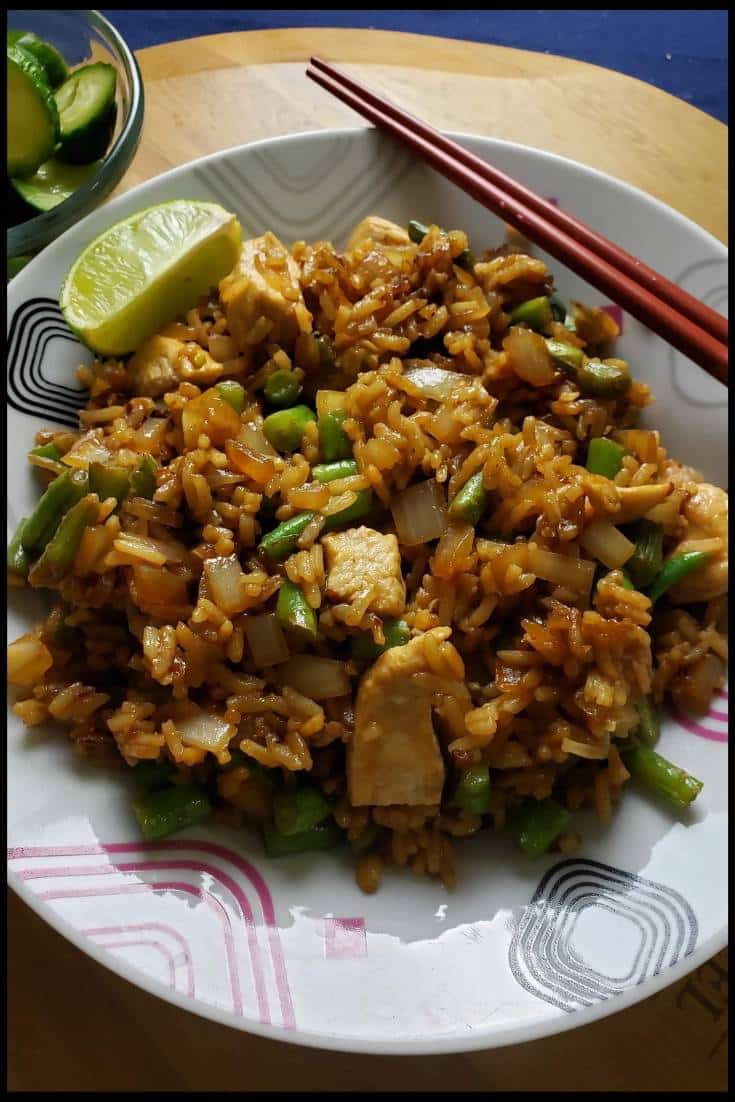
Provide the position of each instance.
(604, 457)
(330, 472)
(536, 824)
(676, 568)
(282, 389)
(360, 508)
(297, 810)
(644, 565)
(567, 356)
(143, 478)
(469, 503)
(534, 312)
(162, 812)
(285, 429)
(323, 836)
(233, 393)
(334, 443)
(46, 451)
(238, 760)
(626, 582)
(69, 488)
(294, 612)
(279, 543)
(472, 793)
(417, 231)
(603, 379)
(151, 776)
(18, 558)
(326, 352)
(60, 551)
(107, 481)
(466, 260)
(649, 727)
(283, 540)
(395, 632)
(662, 776)
(562, 313)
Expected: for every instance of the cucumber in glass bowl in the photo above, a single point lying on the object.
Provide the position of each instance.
(60, 123)
(33, 117)
(45, 54)
(87, 110)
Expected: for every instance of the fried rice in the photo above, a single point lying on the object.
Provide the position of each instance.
(258, 627)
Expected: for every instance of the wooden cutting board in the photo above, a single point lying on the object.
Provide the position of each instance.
(210, 93)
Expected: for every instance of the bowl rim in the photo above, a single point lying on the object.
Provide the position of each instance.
(478, 1038)
(38, 232)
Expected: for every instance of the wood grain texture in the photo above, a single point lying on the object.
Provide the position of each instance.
(210, 93)
(75, 1026)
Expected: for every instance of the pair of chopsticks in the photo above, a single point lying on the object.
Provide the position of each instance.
(683, 321)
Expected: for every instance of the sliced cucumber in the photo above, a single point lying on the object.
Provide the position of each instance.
(33, 120)
(86, 103)
(53, 183)
(45, 54)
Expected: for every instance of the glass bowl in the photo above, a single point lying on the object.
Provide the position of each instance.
(82, 36)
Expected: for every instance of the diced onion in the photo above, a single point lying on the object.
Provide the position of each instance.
(266, 640)
(248, 461)
(222, 347)
(606, 543)
(146, 549)
(88, 449)
(151, 436)
(315, 677)
(420, 513)
(529, 357)
(453, 550)
(574, 574)
(224, 583)
(154, 588)
(209, 415)
(28, 660)
(328, 400)
(206, 731)
(595, 751)
(436, 382)
(253, 437)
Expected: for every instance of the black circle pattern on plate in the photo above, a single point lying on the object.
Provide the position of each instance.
(37, 324)
(591, 931)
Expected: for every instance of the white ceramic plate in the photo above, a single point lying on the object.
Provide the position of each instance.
(291, 949)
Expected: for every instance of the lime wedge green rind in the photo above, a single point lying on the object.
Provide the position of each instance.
(147, 270)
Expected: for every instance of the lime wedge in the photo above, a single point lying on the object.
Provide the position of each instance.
(145, 271)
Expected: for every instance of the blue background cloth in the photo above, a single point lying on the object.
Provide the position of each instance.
(683, 52)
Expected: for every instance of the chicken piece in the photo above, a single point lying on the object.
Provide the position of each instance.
(378, 230)
(264, 284)
(363, 563)
(161, 363)
(706, 512)
(394, 756)
(154, 368)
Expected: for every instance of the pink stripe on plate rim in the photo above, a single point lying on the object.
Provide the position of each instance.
(244, 866)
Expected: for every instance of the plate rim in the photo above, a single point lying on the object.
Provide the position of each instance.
(478, 1037)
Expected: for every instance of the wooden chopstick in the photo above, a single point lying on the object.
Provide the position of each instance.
(701, 314)
(448, 158)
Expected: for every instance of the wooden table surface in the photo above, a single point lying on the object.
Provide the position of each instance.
(207, 94)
